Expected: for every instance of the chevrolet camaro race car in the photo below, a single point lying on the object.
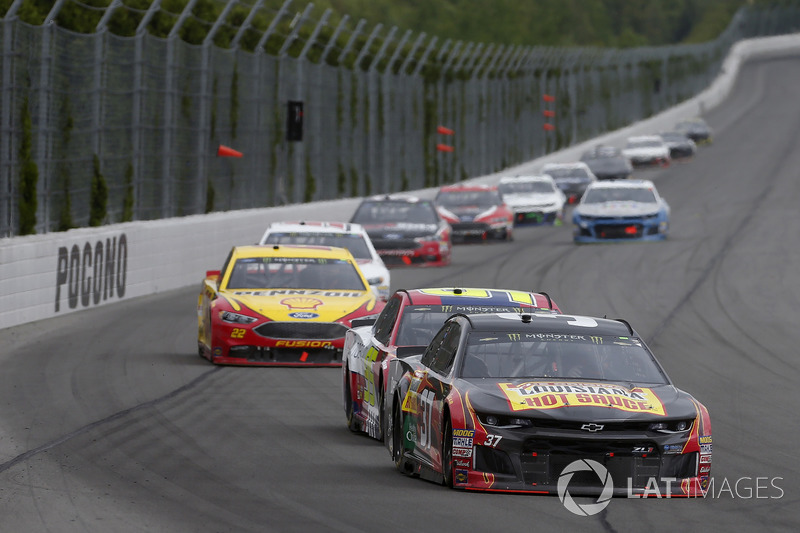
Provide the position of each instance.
(341, 234)
(680, 145)
(405, 230)
(696, 129)
(475, 212)
(405, 326)
(281, 305)
(621, 211)
(608, 163)
(509, 402)
(534, 199)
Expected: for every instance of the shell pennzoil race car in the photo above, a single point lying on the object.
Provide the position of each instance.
(281, 305)
(508, 402)
(405, 326)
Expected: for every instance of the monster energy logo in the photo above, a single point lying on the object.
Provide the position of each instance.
(514, 336)
(447, 308)
(596, 340)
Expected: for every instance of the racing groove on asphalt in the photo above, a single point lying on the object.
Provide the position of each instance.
(110, 422)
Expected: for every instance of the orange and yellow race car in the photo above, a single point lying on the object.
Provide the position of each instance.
(281, 305)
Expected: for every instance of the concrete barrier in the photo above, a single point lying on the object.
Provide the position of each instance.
(42, 276)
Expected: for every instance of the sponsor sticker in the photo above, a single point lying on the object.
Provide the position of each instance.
(537, 395)
(303, 316)
(462, 452)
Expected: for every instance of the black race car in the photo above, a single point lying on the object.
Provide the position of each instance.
(696, 129)
(508, 402)
(607, 163)
(405, 230)
(680, 145)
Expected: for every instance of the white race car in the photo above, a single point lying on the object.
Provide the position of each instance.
(647, 151)
(341, 234)
(533, 199)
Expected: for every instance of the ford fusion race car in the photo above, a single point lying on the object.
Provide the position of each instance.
(405, 230)
(533, 199)
(475, 212)
(512, 402)
(621, 211)
(341, 234)
(281, 305)
(406, 326)
(647, 151)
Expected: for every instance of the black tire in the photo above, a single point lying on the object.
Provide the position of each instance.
(447, 454)
(398, 452)
(352, 423)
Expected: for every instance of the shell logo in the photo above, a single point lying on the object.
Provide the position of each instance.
(301, 302)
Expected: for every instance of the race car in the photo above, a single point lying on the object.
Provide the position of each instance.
(406, 326)
(621, 211)
(475, 212)
(607, 163)
(571, 178)
(647, 151)
(405, 230)
(341, 234)
(696, 129)
(680, 145)
(281, 305)
(534, 199)
(514, 402)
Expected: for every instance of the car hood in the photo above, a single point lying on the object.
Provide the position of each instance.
(645, 151)
(617, 209)
(400, 230)
(299, 304)
(578, 400)
(513, 200)
(466, 213)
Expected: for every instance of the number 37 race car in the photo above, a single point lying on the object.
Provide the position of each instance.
(507, 402)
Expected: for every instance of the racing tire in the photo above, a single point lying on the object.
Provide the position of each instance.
(352, 422)
(447, 454)
(398, 449)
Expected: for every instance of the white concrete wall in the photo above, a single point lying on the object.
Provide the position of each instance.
(42, 276)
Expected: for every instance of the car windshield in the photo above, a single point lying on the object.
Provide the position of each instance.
(294, 273)
(468, 199)
(602, 195)
(549, 355)
(419, 323)
(560, 173)
(352, 241)
(601, 152)
(526, 187)
(674, 136)
(381, 212)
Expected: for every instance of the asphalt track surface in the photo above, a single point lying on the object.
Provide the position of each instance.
(109, 421)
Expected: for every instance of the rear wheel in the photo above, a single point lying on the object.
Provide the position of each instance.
(398, 451)
(447, 454)
(349, 409)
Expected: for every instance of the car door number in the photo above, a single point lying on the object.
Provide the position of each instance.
(492, 440)
(426, 418)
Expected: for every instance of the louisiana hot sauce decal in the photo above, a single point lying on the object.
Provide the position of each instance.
(525, 396)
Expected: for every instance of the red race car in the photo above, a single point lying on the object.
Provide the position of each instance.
(406, 325)
(475, 212)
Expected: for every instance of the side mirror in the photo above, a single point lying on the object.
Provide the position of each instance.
(363, 321)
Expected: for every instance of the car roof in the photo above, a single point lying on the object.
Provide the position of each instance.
(548, 323)
(479, 297)
(315, 226)
(623, 184)
(467, 187)
(574, 164)
(529, 178)
(291, 250)
(394, 198)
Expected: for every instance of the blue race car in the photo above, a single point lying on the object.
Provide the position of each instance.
(621, 211)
